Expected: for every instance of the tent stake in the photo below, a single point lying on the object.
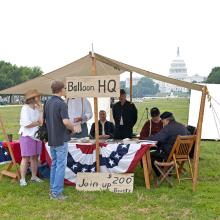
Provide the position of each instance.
(96, 119)
(198, 138)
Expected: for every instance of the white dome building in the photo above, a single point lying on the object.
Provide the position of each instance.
(178, 70)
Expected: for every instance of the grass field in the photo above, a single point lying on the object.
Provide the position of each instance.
(178, 202)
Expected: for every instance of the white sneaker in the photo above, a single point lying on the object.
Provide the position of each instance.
(36, 179)
(23, 182)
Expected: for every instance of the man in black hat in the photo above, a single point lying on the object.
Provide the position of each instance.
(166, 138)
(125, 117)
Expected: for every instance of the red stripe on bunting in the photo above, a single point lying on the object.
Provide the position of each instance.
(88, 149)
(69, 183)
(138, 156)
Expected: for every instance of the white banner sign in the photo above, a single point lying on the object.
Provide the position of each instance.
(93, 86)
(114, 182)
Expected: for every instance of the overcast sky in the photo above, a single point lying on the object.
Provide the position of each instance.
(52, 33)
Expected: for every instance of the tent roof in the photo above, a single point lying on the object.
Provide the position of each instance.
(82, 67)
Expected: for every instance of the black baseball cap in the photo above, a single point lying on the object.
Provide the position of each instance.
(122, 92)
(154, 112)
(165, 115)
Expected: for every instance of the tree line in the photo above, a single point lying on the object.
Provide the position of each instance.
(11, 75)
(214, 76)
(144, 87)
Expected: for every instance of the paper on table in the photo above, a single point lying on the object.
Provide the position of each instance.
(129, 141)
(147, 141)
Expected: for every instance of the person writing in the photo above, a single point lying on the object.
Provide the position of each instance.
(30, 119)
(59, 127)
(125, 117)
(152, 126)
(166, 138)
(106, 128)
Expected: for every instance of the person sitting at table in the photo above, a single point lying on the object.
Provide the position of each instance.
(106, 128)
(80, 111)
(166, 138)
(152, 126)
(30, 119)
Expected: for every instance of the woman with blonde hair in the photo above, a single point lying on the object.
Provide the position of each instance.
(30, 119)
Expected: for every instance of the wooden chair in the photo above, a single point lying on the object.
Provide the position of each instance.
(177, 157)
(180, 154)
(165, 169)
(11, 170)
(193, 131)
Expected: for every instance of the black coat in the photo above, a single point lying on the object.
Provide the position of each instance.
(167, 136)
(128, 112)
(109, 129)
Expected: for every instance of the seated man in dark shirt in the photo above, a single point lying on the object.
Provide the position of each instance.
(106, 128)
(166, 138)
(152, 126)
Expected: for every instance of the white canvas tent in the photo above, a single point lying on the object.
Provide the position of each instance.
(211, 123)
(96, 64)
(82, 67)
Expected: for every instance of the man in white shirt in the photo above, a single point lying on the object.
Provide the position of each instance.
(80, 111)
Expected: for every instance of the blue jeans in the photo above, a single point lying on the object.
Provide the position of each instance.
(58, 166)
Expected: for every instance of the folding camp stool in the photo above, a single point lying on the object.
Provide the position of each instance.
(165, 168)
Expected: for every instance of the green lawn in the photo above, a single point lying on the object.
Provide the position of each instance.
(178, 106)
(162, 203)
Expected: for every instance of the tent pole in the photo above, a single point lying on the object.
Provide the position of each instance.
(198, 138)
(131, 88)
(96, 119)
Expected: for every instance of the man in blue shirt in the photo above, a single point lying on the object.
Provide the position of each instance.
(59, 128)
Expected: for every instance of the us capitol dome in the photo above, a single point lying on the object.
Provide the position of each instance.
(178, 70)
